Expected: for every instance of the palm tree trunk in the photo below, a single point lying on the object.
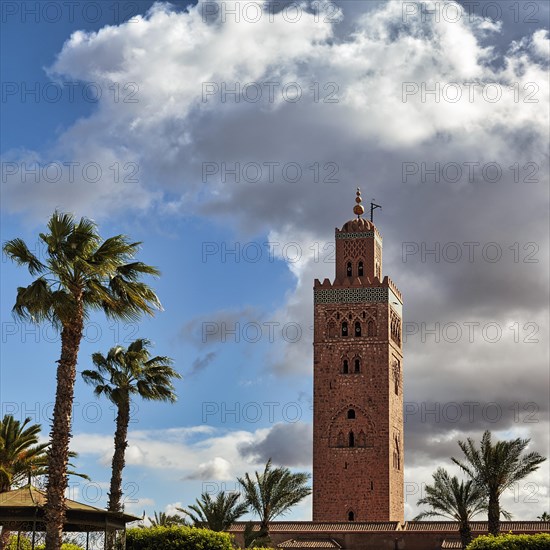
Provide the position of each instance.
(60, 434)
(494, 514)
(465, 534)
(121, 434)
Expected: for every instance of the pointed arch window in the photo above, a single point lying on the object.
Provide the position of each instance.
(351, 516)
(360, 269)
(345, 328)
(351, 439)
(345, 368)
(357, 329)
(357, 365)
(349, 270)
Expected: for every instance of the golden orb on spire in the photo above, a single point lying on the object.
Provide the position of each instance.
(358, 209)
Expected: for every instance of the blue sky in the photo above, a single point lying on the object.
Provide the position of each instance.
(243, 401)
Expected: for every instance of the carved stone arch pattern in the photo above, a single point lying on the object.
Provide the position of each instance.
(397, 450)
(395, 328)
(346, 432)
(354, 249)
(396, 375)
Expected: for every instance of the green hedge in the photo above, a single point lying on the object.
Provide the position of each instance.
(24, 542)
(177, 538)
(540, 541)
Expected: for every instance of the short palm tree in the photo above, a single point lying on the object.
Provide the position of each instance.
(218, 514)
(120, 375)
(545, 516)
(453, 499)
(80, 273)
(162, 519)
(21, 454)
(496, 467)
(273, 492)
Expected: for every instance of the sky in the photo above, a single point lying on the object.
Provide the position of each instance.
(229, 137)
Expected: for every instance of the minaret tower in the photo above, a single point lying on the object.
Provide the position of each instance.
(357, 383)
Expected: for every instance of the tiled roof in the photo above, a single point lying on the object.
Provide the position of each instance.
(451, 545)
(320, 527)
(31, 496)
(308, 543)
(416, 526)
(477, 526)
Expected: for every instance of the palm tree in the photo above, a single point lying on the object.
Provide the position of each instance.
(273, 493)
(545, 516)
(495, 468)
(219, 514)
(162, 519)
(21, 457)
(20, 452)
(120, 375)
(81, 272)
(457, 501)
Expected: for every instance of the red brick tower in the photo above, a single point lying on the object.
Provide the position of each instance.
(357, 384)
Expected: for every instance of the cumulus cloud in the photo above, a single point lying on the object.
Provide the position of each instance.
(445, 123)
(286, 444)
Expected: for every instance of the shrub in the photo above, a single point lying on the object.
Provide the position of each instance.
(540, 541)
(177, 538)
(24, 542)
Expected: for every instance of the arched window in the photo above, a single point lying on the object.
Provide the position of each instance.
(351, 516)
(345, 328)
(360, 269)
(357, 331)
(371, 328)
(357, 365)
(351, 439)
(351, 414)
(345, 369)
(349, 271)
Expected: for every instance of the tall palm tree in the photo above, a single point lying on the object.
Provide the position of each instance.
(457, 501)
(81, 272)
(162, 519)
(120, 375)
(274, 492)
(495, 468)
(219, 514)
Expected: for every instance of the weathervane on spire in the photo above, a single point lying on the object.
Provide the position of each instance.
(358, 208)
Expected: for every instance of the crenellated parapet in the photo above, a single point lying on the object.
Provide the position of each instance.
(357, 289)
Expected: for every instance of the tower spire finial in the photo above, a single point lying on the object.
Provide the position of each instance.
(358, 209)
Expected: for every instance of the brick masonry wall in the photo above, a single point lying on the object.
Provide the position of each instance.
(363, 476)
